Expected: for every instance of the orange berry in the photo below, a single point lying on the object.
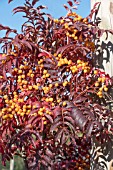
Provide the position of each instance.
(30, 87)
(62, 21)
(58, 100)
(56, 20)
(99, 79)
(19, 71)
(78, 61)
(51, 99)
(56, 84)
(64, 103)
(50, 85)
(47, 75)
(85, 70)
(10, 109)
(45, 122)
(10, 116)
(30, 71)
(43, 118)
(5, 97)
(103, 79)
(53, 104)
(45, 72)
(100, 89)
(96, 84)
(99, 93)
(7, 101)
(95, 72)
(59, 55)
(105, 89)
(32, 75)
(22, 113)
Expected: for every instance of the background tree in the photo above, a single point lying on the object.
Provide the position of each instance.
(52, 98)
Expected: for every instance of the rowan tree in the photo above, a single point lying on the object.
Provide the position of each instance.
(52, 96)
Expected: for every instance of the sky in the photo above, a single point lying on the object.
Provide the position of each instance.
(55, 7)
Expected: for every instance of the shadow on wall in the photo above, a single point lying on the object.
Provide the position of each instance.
(102, 154)
(100, 58)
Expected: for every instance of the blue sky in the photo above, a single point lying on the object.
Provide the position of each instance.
(55, 7)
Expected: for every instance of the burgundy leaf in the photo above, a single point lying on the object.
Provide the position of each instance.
(10, 1)
(55, 126)
(49, 117)
(49, 153)
(70, 3)
(66, 7)
(58, 135)
(34, 2)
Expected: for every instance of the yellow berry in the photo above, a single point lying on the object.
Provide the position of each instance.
(47, 75)
(22, 113)
(50, 85)
(100, 96)
(59, 55)
(40, 113)
(34, 106)
(29, 106)
(50, 99)
(99, 93)
(95, 72)
(85, 71)
(23, 76)
(100, 89)
(56, 84)
(5, 117)
(62, 21)
(21, 67)
(53, 104)
(78, 61)
(15, 69)
(30, 87)
(32, 75)
(65, 83)
(10, 109)
(58, 100)
(7, 101)
(45, 72)
(99, 79)
(96, 84)
(47, 100)
(56, 20)
(5, 97)
(103, 79)
(30, 71)
(10, 116)
(64, 103)
(13, 112)
(69, 62)
(43, 118)
(19, 71)
(45, 122)
(105, 89)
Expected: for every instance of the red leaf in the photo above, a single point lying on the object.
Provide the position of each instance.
(55, 126)
(48, 117)
(10, 1)
(70, 3)
(58, 135)
(66, 7)
(34, 2)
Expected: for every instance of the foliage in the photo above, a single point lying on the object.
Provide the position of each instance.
(52, 97)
